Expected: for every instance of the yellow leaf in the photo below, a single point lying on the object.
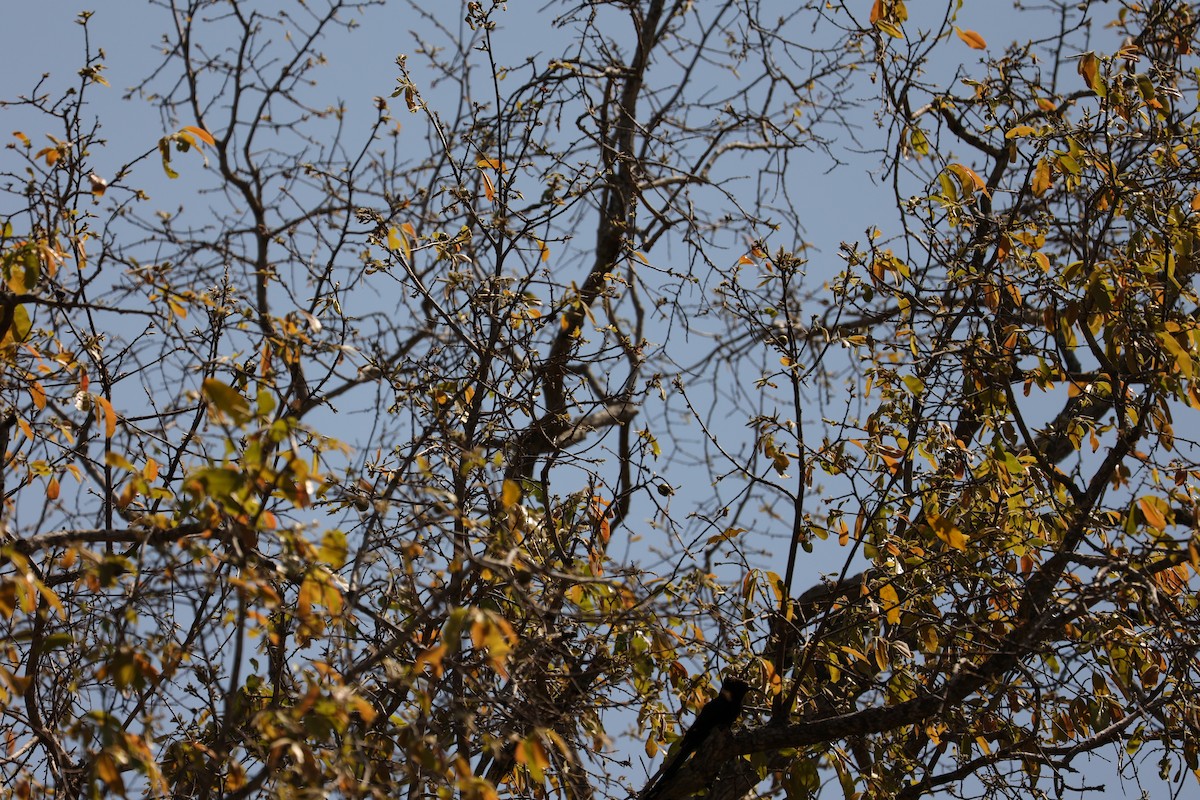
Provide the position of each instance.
(543, 249)
(108, 772)
(52, 489)
(881, 655)
(37, 394)
(333, 548)
(1183, 359)
(1042, 178)
(227, 400)
(947, 531)
(891, 603)
(726, 535)
(968, 179)
(887, 15)
(398, 240)
(919, 141)
(489, 190)
(1018, 131)
(510, 495)
(973, 39)
(533, 755)
(890, 28)
(164, 149)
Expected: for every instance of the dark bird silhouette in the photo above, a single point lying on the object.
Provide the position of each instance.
(720, 712)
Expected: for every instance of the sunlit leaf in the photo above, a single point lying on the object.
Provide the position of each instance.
(1041, 178)
(973, 39)
(227, 400)
(334, 549)
(510, 494)
(38, 394)
(106, 415)
(201, 134)
(890, 601)
(1020, 131)
(398, 241)
(1089, 69)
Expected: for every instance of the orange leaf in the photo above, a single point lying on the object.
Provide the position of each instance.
(433, 657)
(52, 489)
(968, 179)
(201, 134)
(1089, 70)
(1154, 516)
(890, 600)
(1042, 179)
(107, 771)
(973, 39)
(38, 394)
(106, 414)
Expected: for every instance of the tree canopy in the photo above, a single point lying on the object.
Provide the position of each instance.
(460, 450)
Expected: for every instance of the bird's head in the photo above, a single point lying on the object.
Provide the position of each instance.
(734, 689)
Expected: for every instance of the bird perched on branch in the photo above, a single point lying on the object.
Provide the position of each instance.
(719, 713)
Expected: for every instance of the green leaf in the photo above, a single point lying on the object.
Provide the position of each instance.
(266, 402)
(333, 548)
(164, 147)
(227, 400)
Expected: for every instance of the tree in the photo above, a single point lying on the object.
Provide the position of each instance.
(423, 457)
